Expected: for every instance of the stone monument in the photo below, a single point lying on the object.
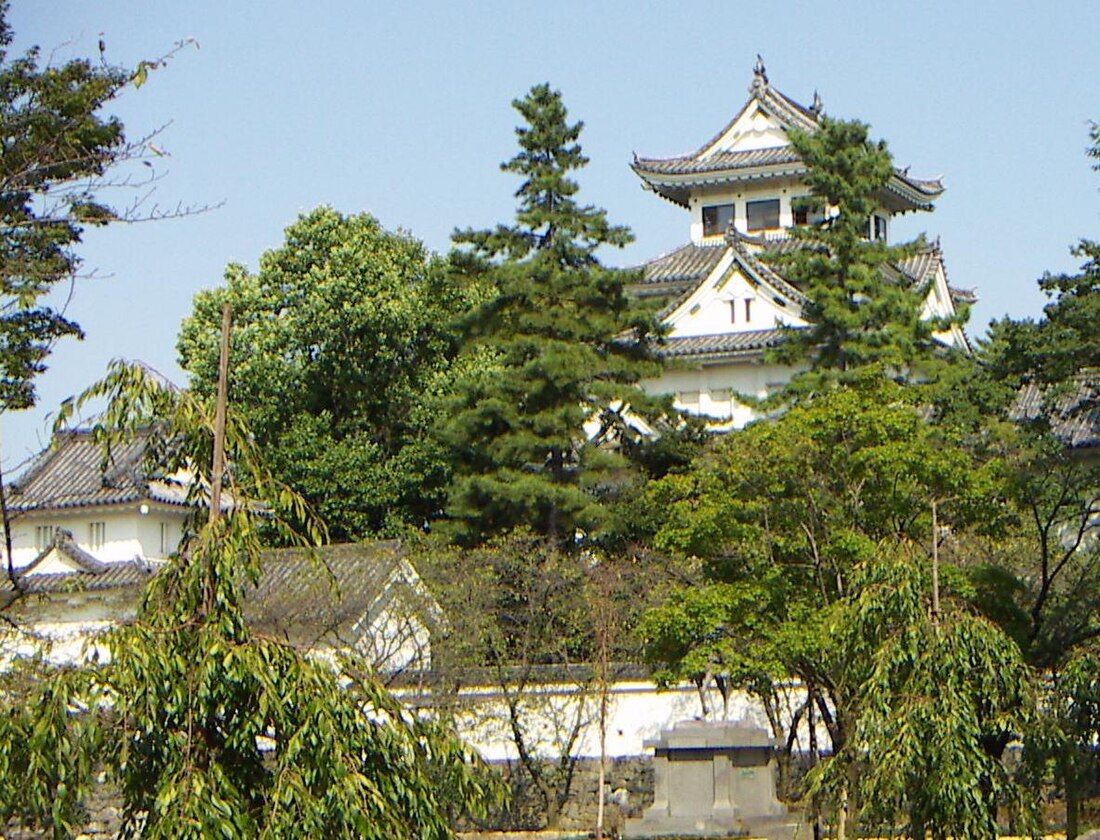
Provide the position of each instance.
(712, 780)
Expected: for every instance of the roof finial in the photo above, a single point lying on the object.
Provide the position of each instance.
(817, 105)
(758, 71)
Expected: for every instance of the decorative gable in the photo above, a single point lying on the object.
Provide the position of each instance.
(752, 129)
(728, 301)
(63, 556)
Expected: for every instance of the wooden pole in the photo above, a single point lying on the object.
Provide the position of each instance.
(219, 417)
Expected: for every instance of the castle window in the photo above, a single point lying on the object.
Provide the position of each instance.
(721, 402)
(688, 399)
(805, 214)
(97, 534)
(43, 536)
(717, 219)
(762, 215)
(166, 546)
(880, 228)
(748, 310)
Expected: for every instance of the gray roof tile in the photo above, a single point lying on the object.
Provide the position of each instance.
(718, 162)
(131, 573)
(671, 176)
(1074, 415)
(70, 474)
(303, 596)
(688, 263)
(720, 344)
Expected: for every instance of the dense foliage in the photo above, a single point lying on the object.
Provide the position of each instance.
(209, 729)
(863, 313)
(527, 431)
(341, 341)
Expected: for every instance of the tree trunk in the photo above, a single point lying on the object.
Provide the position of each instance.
(1073, 796)
(811, 722)
(553, 813)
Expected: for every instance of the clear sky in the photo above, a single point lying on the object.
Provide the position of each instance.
(403, 109)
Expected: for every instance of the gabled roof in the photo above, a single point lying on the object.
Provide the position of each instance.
(679, 273)
(88, 573)
(71, 474)
(72, 554)
(674, 177)
(1074, 415)
(686, 267)
(332, 593)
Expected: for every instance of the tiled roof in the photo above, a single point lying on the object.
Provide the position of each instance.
(303, 596)
(1074, 416)
(130, 573)
(920, 268)
(671, 177)
(70, 474)
(332, 592)
(717, 162)
(748, 256)
(689, 263)
(931, 187)
(720, 344)
(64, 544)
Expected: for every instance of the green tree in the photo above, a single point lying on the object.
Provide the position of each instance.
(567, 349)
(210, 730)
(782, 517)
(59, 155)
(940, 691)
(861, 312)
(1045, 368)
(341, 342)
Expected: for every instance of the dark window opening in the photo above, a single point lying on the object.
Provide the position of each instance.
(717, 219)
(733, 312)
(880, 227)
(805, 213)
(748, 309)
(763, 215)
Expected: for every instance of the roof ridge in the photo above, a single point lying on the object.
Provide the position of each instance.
(739, 241)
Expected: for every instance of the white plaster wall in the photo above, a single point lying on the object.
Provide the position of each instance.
(129, 534)
(712, 382)
(707, 309)
(938, 304)
(149, 532)
(784, 189)
(636, 711)
(64, 629)
(396, 640)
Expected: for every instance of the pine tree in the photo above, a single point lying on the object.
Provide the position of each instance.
(561, 346)
(863, 315)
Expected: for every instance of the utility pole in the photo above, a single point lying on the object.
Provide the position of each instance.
(218, 468)
(219, 417)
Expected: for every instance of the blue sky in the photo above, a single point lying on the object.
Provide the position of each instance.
(403, 110)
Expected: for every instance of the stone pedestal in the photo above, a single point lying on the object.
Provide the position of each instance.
(711, 780)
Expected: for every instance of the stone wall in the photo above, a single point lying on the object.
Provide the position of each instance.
(629, 785)
(103, 818)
